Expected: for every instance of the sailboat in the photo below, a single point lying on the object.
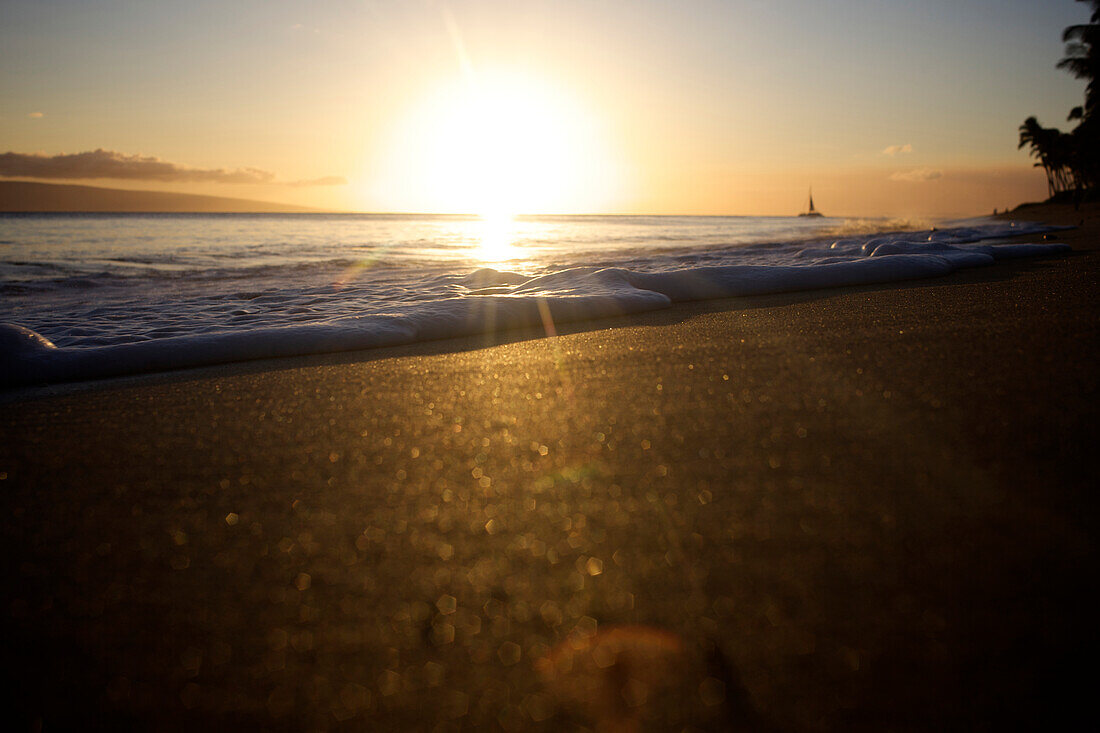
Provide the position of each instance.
(812, 211)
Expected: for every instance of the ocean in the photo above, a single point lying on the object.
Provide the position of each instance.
(87, 296)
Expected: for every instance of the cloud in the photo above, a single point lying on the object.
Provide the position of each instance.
(36, 115)
(325, 181)
(112, 164)
(917, 175)
(893, 150)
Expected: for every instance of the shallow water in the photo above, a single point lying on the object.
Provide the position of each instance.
(92, 295)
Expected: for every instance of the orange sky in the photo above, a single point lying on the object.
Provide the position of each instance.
(547, 107)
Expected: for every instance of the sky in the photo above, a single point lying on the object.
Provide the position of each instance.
(884, 107)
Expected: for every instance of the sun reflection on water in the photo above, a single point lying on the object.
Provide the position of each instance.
(497, 234)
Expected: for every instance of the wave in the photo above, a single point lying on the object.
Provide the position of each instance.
(489, 300)
(853, 227)
(83, 278)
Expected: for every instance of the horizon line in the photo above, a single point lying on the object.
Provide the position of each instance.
(473, 215)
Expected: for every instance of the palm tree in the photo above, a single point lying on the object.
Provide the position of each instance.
(1082, 58)
(1040, 140)
(1072, 161)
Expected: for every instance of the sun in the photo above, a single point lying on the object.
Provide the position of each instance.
(497, 145)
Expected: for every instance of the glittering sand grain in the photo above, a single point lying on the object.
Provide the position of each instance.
(863, 509)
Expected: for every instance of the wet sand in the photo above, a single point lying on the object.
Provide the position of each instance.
(1085, 217)
(860, 509)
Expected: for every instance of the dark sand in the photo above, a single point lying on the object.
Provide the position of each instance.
(861, 509)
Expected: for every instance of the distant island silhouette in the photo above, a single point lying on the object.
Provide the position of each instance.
(26, 196)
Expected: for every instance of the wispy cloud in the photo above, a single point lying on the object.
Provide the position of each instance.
(325, 181)
(893, 150)
(112, 164)
(36, 115)
(917, 175)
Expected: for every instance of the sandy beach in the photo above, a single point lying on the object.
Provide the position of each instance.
(851, 509)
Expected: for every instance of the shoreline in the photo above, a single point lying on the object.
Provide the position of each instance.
(1078, 239)
(1086, 221)
(675, 313)
(847, 509)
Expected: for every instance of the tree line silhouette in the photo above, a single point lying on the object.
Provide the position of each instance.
(1072, 159)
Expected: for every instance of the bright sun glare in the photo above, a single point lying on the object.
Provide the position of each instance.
(498, 145)
(496, 238)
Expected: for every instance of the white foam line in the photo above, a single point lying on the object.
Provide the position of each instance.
(512, 302)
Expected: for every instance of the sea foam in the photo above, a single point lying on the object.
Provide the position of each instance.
(432, 305)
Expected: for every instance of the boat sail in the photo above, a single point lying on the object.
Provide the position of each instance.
(811, 211)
